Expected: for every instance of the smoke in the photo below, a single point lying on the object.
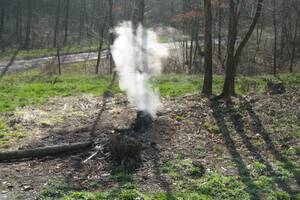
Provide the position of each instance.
(137, 55)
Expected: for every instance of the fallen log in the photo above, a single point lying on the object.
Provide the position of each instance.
(44, 151)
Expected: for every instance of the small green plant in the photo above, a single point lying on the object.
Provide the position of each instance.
(218, 187)
(54, 190)
(180, 118)
(211, 128)
(167, 167)
(282, 195)
(84, 196)
(257, 169)
(121, 176)
(129, 194)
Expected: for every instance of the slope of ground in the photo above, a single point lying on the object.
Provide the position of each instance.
(197, 149)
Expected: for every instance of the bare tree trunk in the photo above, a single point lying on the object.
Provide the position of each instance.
(18, 20)
(275, 39)
(28, 26)
(111, 35)
(141, 11)
(67, 22)
(207, 85)
(294, 44)
(56, 23)
(44, 151)
(234, 58)
(2, 16)
(58, 61)
(191, 48)
(82, 19)
(220, 22)
(228, 89)
(100, 47)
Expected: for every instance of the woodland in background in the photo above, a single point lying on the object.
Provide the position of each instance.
(224, 37)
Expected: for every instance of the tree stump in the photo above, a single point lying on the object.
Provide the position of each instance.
(143, 121)
(124, 148)
(275, 88)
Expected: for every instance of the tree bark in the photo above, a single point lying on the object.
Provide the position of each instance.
(230, 71)
(18, 21)
(28, 26)
(295, 36)
(2, 21)
(100, 47)
(275, 39)
(56, 23)
(67, 22)
(111, 35)
(82, 19)
(234, 58)
(58, 61)
(207, 85)
(44, 151)
(141, 11)
(220, 21)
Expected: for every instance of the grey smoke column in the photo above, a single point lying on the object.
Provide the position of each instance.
(137, 55)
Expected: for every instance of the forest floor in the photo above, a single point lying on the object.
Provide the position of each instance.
(197, 148)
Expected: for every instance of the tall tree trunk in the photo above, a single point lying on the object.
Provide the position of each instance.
(58, 60)
(220, 22)
(67, 22)
(275, 39)
(100, 47)
(295, 36)
(228, 89)
(207, 85)
(56, 27)
(82, 19)
(28, 24)
(234, 58)
(18, 21)
(2, 16)
(111, 35)
(141, 11)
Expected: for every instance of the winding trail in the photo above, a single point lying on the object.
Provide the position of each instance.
(25, 64)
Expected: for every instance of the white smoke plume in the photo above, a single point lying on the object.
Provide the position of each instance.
(137, 55)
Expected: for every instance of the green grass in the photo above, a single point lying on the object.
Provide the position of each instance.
(212, 186)
(7, 135)
(33, 87)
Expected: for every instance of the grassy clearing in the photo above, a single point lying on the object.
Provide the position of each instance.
(33, 87)
(185, 185)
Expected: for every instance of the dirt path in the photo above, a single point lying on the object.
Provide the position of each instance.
(25, 64)
(21, 65)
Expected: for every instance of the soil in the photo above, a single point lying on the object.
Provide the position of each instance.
(250, 128)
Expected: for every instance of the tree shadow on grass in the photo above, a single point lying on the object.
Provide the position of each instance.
(106, 95)
(239, 127)
(236, 157)
(159, 176)
(7, 66)
(259, 128)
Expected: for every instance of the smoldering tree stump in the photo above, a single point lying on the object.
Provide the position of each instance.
(143, 121)
(275, 88)
(124, 148)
